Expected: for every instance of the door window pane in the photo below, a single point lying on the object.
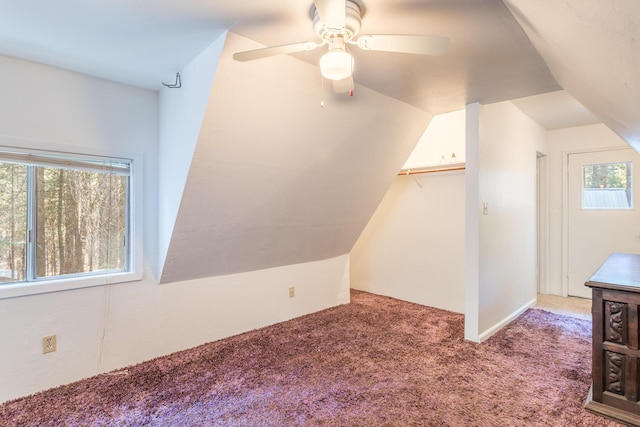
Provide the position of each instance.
(607, 186)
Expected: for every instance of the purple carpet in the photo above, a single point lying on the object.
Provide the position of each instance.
(375, 362)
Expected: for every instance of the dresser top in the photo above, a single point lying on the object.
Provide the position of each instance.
(619, 271)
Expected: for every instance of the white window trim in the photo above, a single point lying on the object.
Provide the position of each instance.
(20, 289)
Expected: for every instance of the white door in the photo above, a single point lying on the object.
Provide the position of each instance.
(604, 212)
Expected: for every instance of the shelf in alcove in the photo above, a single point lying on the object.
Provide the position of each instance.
(432, 169)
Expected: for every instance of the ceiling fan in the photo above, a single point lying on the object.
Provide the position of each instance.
(337, 22)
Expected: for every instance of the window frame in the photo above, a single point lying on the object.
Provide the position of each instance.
(133, 246)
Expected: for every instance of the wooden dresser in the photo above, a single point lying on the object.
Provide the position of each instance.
(616, 357)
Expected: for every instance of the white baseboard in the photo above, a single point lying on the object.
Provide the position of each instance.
(501, 324)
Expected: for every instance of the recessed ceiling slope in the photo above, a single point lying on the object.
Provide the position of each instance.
(592, 48)
(555, 110)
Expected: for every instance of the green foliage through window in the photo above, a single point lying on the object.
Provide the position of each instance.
(607, 175)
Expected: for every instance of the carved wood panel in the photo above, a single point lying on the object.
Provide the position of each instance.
(614, 367)
(616, 339)
(615, 327)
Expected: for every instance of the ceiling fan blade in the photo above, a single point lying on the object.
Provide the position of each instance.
(343, 86)
(331, 12)
(421, 45)
(250, 55)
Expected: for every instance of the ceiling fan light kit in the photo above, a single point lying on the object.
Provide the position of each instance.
(337, 22)
(337, 64)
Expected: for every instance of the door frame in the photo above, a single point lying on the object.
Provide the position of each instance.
(542, 222)
(565, 207)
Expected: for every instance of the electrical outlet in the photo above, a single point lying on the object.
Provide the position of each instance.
(48, 344)
(292, 292)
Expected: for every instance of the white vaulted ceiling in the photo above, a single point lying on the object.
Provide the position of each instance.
(592, 47)
(144, 43)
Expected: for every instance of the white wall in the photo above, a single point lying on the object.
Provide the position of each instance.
(48, 108)
(144, 320)
(429, 241)
(107, 327)
(506, 241)
(276, 179)
(472, 224)
(444, 137)
(413, 246)
(181, 113)
(560, 143)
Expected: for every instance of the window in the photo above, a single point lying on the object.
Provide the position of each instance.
(607, 186)
(63, 217)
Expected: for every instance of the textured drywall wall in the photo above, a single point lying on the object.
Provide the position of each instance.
(276, 179)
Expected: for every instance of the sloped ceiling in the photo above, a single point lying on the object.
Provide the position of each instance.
(490, 58)
(592, 47)
(140, 43)
(555, 110)
(277, 179)
(145, 43)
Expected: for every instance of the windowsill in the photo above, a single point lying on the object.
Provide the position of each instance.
(13, 290)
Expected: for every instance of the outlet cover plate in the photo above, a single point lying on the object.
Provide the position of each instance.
(48, 344)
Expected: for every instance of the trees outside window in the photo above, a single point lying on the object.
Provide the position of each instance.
(13, 222)
(61, 217)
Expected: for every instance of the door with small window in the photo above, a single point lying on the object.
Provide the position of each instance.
(603, 215)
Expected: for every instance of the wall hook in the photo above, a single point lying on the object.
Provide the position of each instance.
(176, 85)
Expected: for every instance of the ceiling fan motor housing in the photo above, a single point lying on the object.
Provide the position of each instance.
(352, 24)
(337, 22)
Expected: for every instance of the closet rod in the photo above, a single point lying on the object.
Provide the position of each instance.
(431, 169)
